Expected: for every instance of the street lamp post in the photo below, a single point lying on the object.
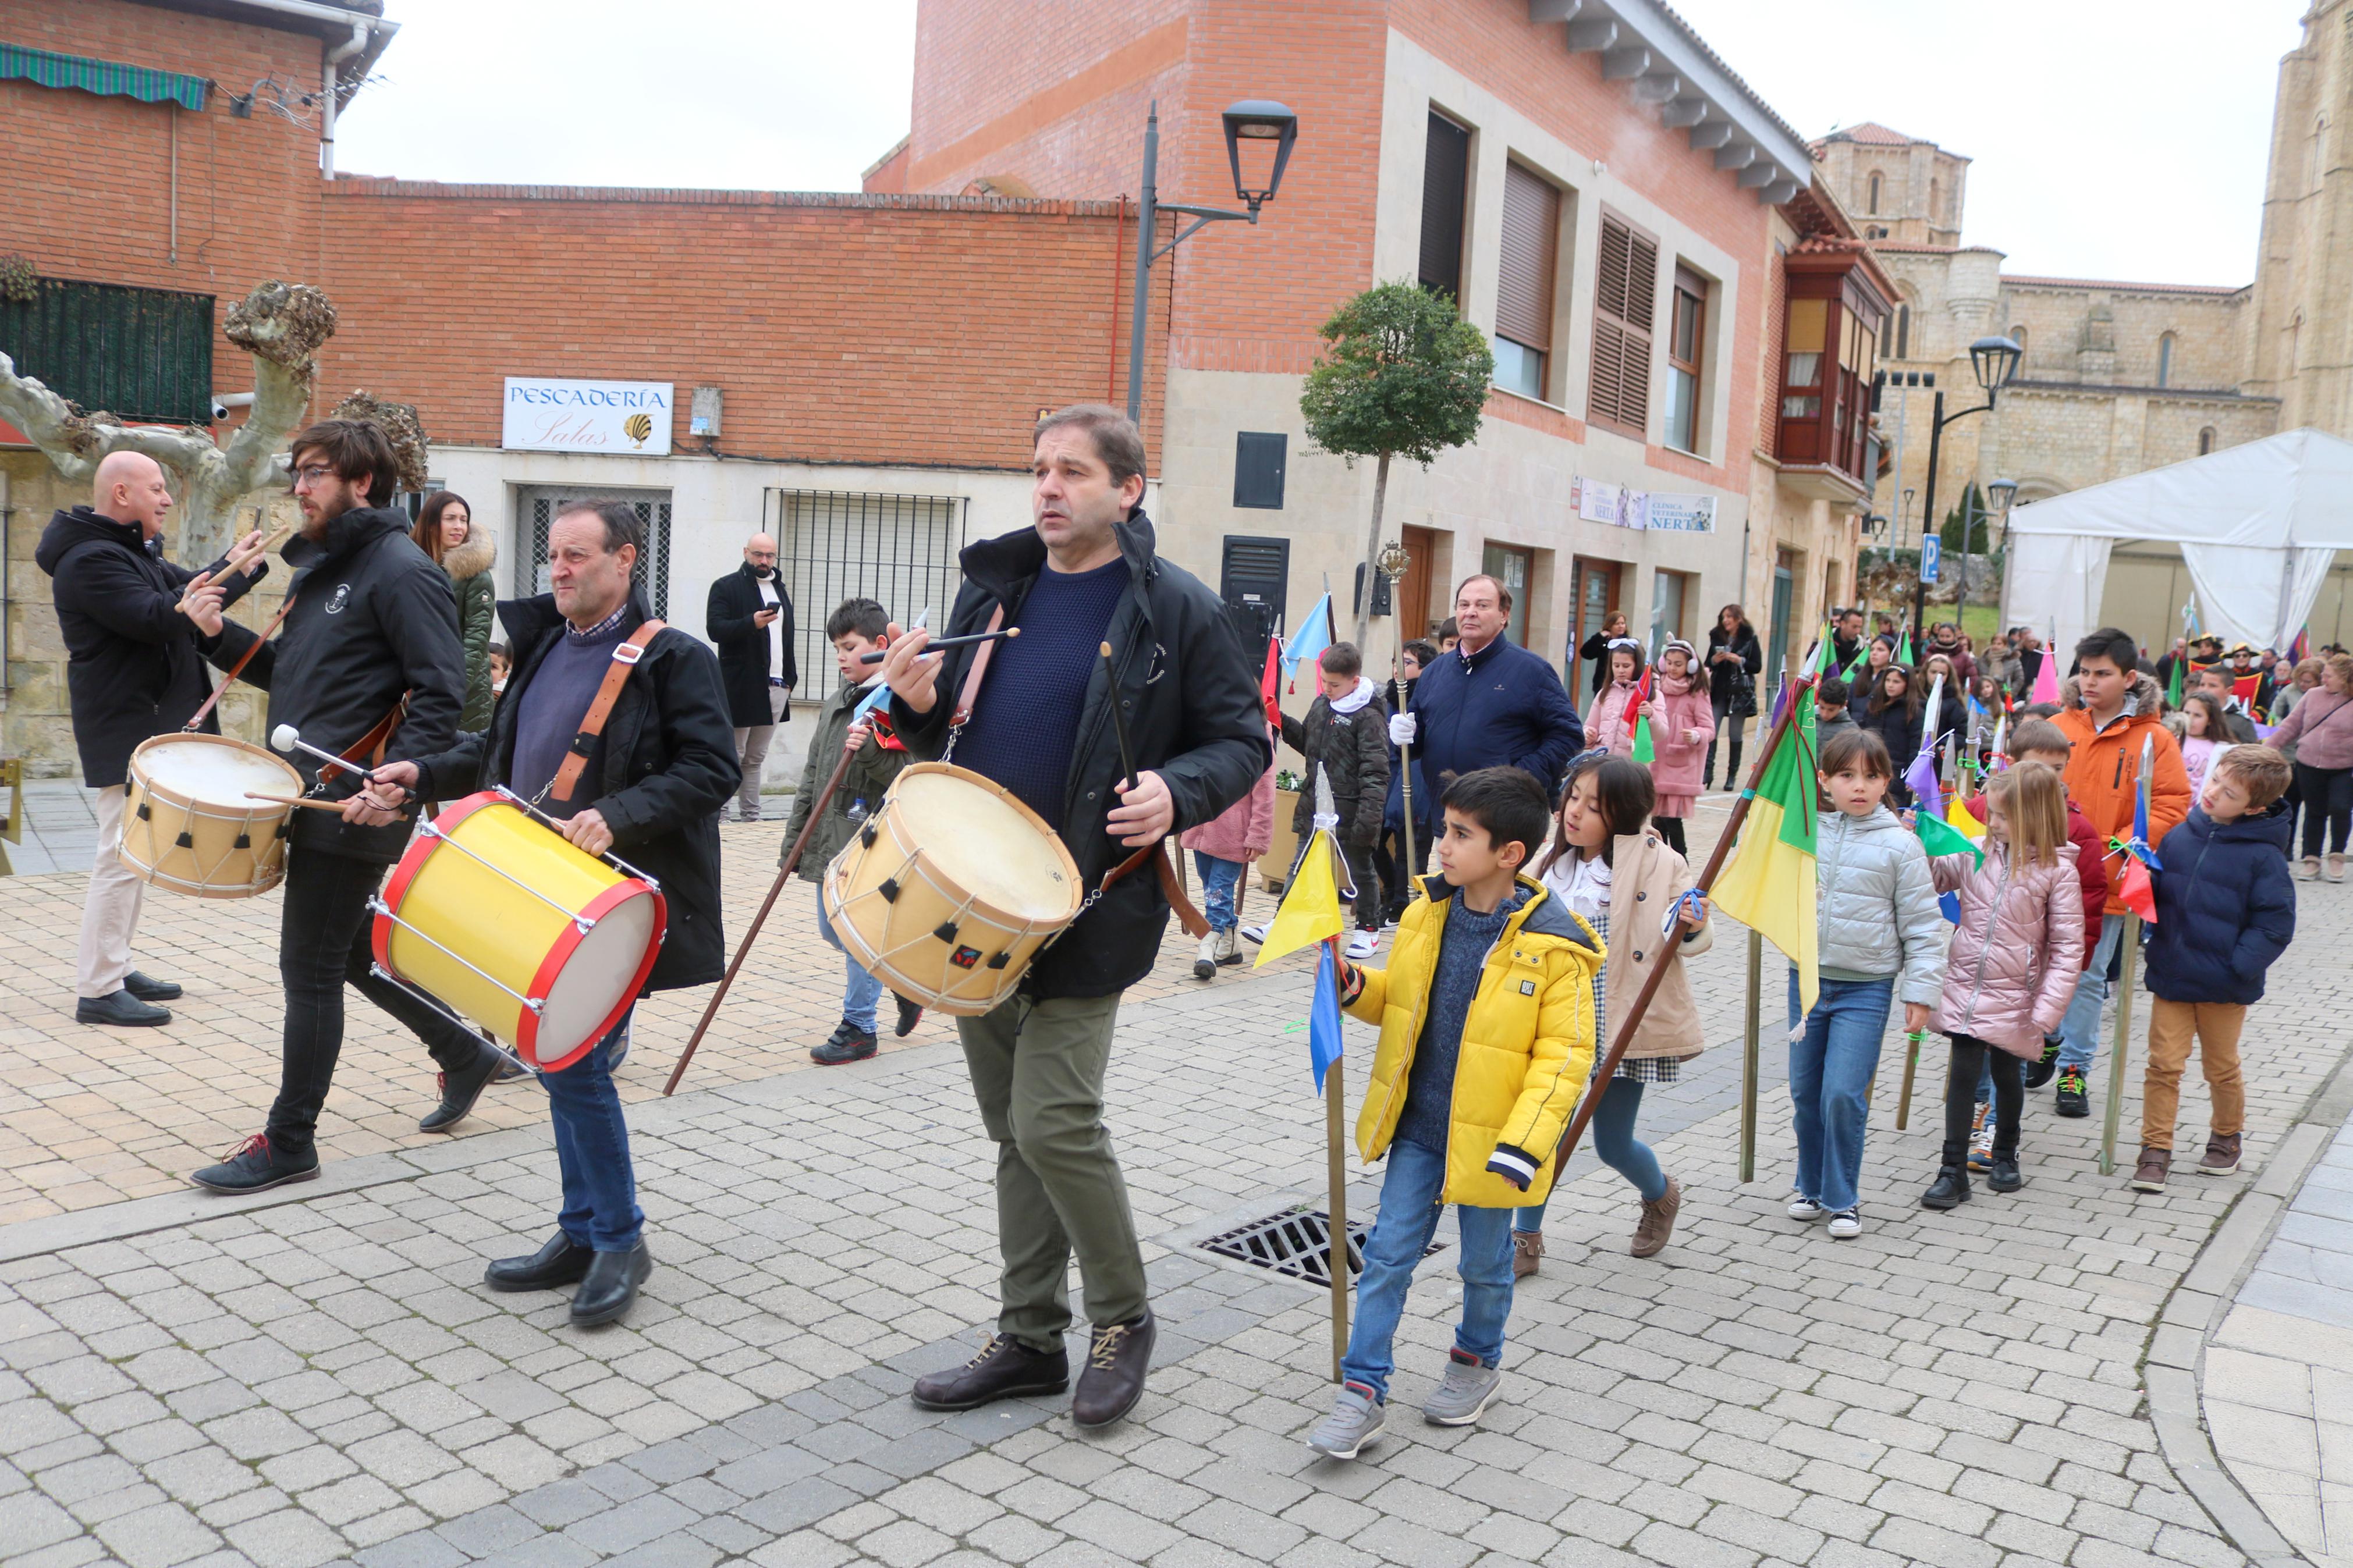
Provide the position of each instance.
(2000, 493)
(1995, 361)
(1252, 120)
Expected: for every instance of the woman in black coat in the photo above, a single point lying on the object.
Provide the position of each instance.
(1733, 663)
(1595, 649)
(1893, 710)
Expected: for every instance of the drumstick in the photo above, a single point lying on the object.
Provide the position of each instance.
(239, 560)
(1119, 721)
(880, 654)
(744, 950)
(291, 800)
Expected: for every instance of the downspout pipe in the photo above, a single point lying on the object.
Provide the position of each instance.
(335, 57)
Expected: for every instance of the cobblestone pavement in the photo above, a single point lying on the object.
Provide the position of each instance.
(316, 1376)
(2279, 1375)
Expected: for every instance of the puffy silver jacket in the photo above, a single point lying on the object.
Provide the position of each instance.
(2018, 952)
(1876, 913)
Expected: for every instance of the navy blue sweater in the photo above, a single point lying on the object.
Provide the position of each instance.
(1502, 706)
(2225, 907)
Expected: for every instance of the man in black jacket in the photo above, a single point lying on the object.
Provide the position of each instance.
(369, 666)
(132, 673)
(750, 619)
(650, 788)
(1041, 725)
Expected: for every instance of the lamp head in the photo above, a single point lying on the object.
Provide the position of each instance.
(2000, 493)
(1259, 120)
(1995, 361)
(285, 738)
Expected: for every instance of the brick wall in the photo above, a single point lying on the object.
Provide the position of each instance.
(844, 328)
(89, 179)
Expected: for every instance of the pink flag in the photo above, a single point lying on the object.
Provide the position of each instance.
(2046, 679)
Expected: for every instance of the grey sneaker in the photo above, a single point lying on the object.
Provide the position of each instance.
(1468, 1385)
(1355, 1420)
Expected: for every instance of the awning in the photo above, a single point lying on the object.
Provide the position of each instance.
(107, 79)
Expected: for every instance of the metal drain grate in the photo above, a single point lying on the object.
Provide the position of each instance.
(1297, 1242)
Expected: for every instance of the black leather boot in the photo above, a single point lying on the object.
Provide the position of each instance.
(1113, 1380)
(148, 990)
(561, 1262)
(1005, 1368)
(460, 1091)
(1949, 1191)
(2004, 1177)
(1732, 765)
(610, 1288)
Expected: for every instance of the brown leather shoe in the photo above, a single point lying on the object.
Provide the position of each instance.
(1113, 1380)
(1658, 1221)
(1005, 1368)
(2148, 1176)
(1527, 1251)
(2221, 1155)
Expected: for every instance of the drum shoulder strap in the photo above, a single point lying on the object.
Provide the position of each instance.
(971, 693)
(617, 675)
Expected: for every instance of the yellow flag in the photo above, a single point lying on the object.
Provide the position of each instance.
(1311, 906)
(1957, 815)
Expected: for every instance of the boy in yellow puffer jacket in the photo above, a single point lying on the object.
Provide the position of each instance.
(1486, 1016)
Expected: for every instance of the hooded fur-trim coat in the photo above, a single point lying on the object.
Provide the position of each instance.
(469, 567)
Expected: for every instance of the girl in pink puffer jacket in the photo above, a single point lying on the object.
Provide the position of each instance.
(2012, 967)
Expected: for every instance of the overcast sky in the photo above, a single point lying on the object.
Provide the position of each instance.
(2120, 139)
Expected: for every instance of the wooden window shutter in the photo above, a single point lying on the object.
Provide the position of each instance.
(1529, 259)
(1625, 302)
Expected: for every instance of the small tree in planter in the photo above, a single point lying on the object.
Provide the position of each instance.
(1404, 376)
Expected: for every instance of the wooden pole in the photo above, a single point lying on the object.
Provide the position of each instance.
(1599, 1083)
(1911, 1065)
(1751, 1049)
(744, 950)
(1336, 1205)
(2120, 1043)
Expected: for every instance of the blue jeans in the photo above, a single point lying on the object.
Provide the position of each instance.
(1830, 1066)
(1219, 880)
(2080, 1035)
(1409, 1217)
(860, 991)
(592, 1150)
(1615, 1143)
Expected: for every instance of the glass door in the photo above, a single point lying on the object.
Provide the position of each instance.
(1597, 597)
(1513, 568)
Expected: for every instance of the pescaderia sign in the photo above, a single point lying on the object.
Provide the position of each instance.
(618, 418)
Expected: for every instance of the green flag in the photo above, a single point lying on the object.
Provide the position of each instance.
(1939, 837)
(2173, 682)
(1643, 753)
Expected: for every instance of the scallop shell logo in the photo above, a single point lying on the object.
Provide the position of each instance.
(637, 427)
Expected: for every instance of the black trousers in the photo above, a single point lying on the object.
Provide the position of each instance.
(1721, 708)
(2327, 806)
(322, 944)
(1670, 828)
(1969, 1057)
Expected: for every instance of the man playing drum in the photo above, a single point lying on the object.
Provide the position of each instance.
(1042, 724)
(650, 786)
(133, 674)
(369, 663)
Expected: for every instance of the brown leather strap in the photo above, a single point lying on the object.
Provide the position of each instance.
(1188, 915)
(370, 745)
(971, 691)
(238, 668)
(617, 675)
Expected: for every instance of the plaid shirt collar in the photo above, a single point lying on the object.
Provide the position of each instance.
(574, 633)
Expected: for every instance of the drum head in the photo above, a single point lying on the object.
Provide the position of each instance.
(603, 972)
(215, 771)
(987, 844)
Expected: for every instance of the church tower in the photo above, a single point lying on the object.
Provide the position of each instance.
(1895, 187)
(2300, 341)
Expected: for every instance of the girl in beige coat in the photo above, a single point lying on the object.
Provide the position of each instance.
(1613, 871)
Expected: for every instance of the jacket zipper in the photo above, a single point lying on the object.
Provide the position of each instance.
(1977, 985)
(1413, 1044)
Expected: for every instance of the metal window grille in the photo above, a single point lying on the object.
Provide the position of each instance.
(651, 574)
(1297, 1242)
(899, 550)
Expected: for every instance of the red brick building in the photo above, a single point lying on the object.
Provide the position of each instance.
(857, 372)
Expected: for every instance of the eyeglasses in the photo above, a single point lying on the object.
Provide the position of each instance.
(311, 475)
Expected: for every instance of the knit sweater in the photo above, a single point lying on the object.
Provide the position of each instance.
(1461, 958)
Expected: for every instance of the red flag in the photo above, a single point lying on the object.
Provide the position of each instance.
(1641, 694)
(1269, 683)
(2135, 888)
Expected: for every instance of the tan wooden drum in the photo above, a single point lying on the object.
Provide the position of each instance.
(950, 889)
(188, 825)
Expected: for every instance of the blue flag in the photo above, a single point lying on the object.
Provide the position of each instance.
(1323, 1020)
(1308, 643)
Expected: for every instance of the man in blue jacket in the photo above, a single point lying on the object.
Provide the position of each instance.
(1488, 703)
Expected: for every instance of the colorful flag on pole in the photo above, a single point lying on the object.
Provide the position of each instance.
(1308, 643)
(1324, 1016)
(2173, 682)
(1939, 837)
(2046, 676)
(1643, 751)
(1310, 911)
(1962, 820)
(1270, 682)
(1921, 779)
(1768, 884)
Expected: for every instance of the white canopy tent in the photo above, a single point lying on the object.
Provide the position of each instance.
(2258, 525)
